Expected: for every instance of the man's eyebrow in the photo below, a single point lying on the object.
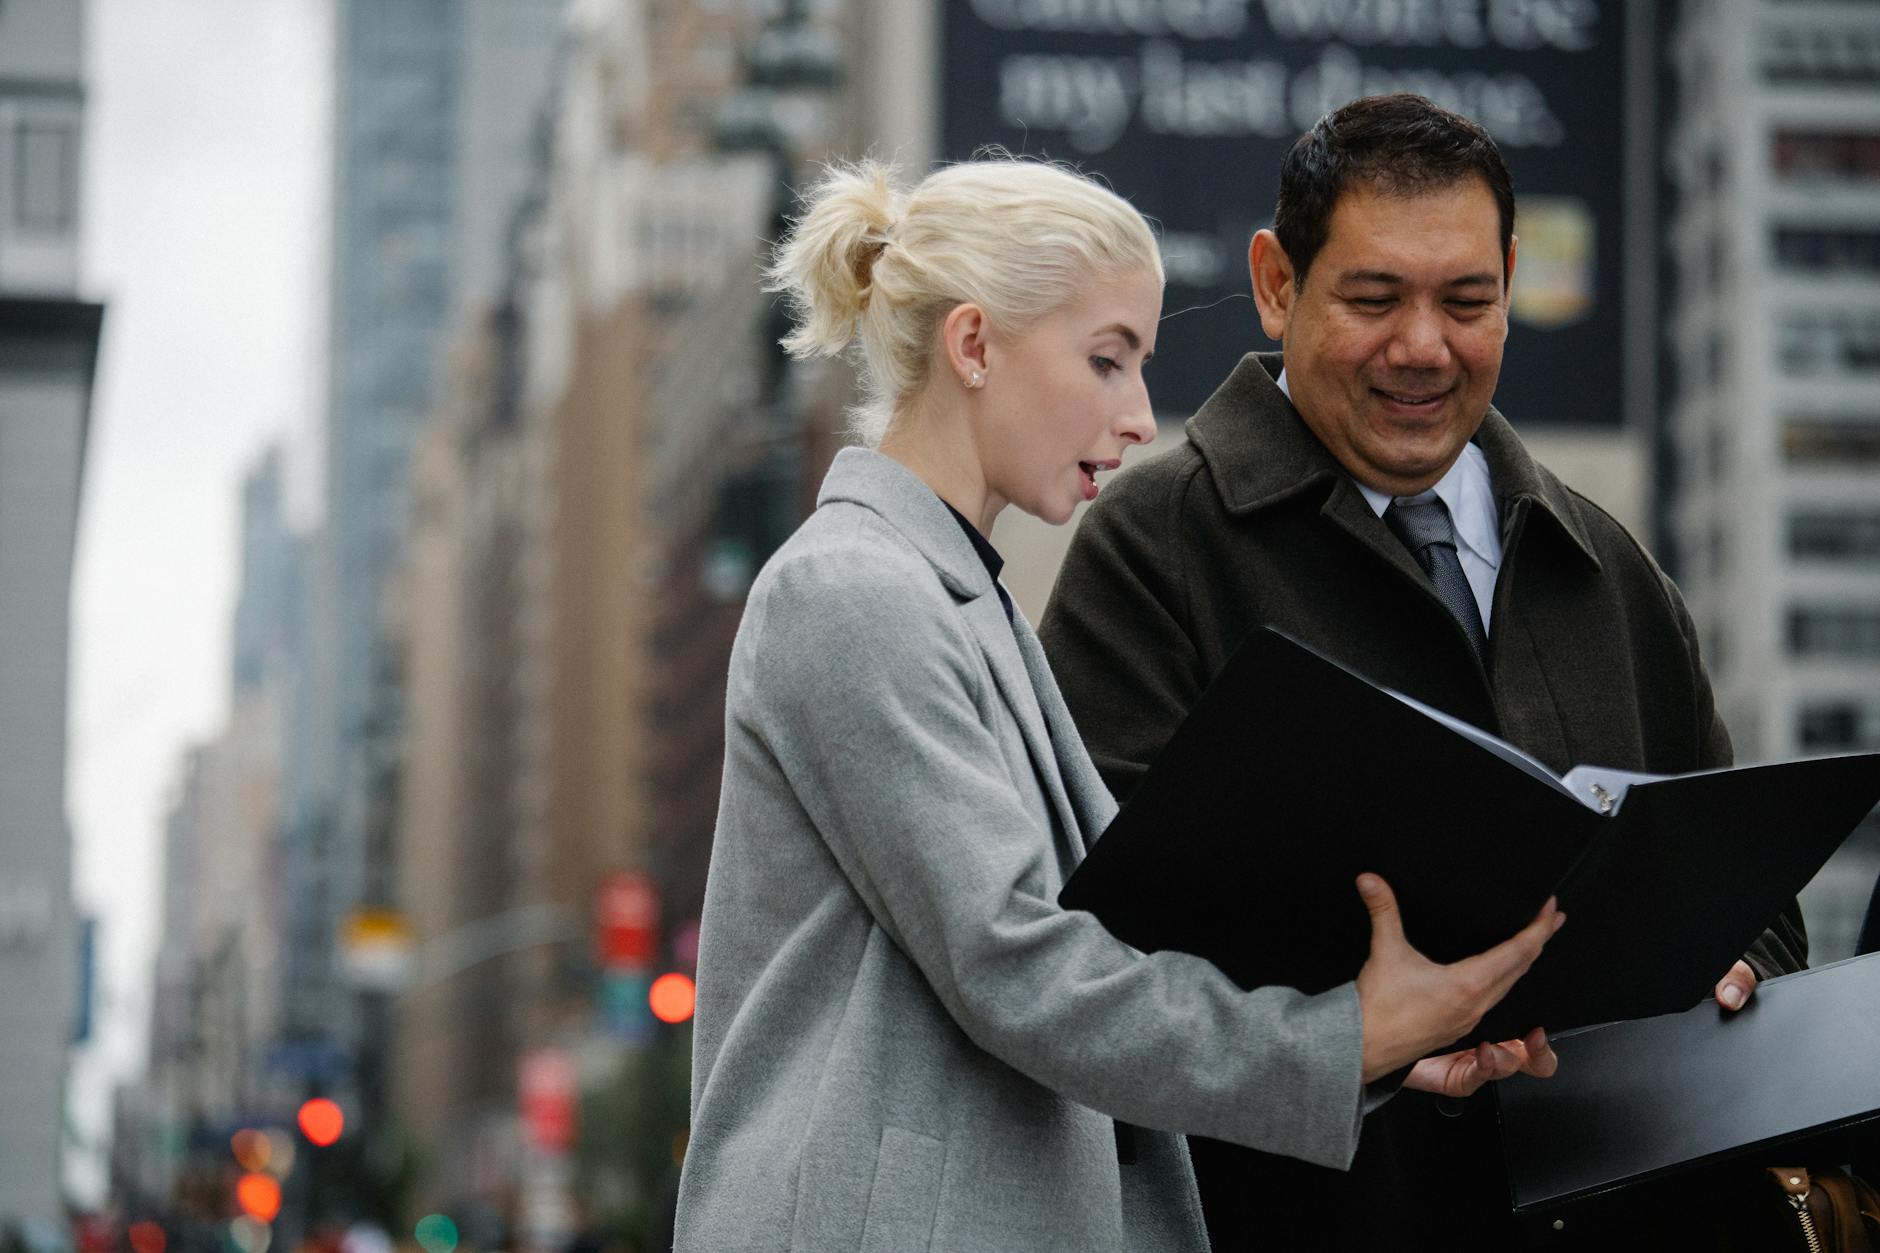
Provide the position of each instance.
(1370, 276)
(1387, 279)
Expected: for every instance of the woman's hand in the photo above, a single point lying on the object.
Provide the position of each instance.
(1411, 1004)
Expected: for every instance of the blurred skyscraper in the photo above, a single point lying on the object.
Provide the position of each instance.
(48, 349)
(1770, 458)
(217, 997)
(434, 103)
(616, 453)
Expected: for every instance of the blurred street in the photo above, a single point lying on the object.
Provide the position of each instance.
(392, 424)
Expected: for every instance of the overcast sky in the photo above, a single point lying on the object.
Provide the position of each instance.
(204, 234)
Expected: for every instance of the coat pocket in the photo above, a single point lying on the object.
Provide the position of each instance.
(905, 1193)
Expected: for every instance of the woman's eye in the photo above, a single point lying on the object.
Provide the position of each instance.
(1103, 365)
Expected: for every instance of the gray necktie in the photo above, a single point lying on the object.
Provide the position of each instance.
(1423, 524)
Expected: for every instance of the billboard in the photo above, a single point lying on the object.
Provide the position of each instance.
(1187, 106)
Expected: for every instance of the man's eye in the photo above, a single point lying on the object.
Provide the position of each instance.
(1373, 302)
(1468, 305)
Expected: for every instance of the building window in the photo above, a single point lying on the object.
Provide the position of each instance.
(45, 182)
(1831, 442)
(1837, 726)
(1835, 534)
(1825, 156)
(1835, 631)
(1822, 55)
(1812, 342)
(1813, 251)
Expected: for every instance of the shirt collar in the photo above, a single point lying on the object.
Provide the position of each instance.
(981, 545)
(1466, 490)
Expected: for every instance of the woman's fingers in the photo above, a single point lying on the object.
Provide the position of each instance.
(1495, 970)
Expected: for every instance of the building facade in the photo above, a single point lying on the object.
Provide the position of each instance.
(435, 105)
(48, 351)
(1772, 381)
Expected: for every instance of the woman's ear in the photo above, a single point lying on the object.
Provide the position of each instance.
(963, 337)
(1273, 286)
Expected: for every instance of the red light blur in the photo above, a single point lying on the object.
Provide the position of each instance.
(259, 1196)
(147, 1237)
(321, 1121)
(672, 998)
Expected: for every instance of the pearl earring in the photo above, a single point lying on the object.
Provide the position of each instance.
(975, 379)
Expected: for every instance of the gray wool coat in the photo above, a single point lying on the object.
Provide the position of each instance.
(902, 1043)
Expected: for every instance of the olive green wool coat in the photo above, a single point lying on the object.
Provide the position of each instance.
(1592, 658)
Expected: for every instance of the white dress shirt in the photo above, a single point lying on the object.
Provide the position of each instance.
(1469, 494)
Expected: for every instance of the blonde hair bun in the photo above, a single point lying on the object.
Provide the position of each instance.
(826, 264)
(868, 261)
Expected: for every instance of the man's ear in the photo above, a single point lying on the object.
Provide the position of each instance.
(1507, 274)
(1273, 287)
(963, 338)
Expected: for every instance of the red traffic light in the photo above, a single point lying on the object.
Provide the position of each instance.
(672, 998)
(259, 1196)
(321, 1121)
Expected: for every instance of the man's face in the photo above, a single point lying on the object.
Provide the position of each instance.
(1393, 343)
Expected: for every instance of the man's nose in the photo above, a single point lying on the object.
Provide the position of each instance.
(1420, 341)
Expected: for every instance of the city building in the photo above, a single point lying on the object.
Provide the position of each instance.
(216, 1007)
(1771, 376)
(48, 353)
(605, 470)
(435, 106)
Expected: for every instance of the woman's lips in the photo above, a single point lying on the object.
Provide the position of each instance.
(1090, 469)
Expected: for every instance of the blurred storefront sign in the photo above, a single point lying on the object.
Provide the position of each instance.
(548, 1093)
(1188, 106)
(375, 948)
(547, 1088)
(626, 917)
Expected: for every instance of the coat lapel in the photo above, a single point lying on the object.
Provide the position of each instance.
(883, 485)
(1017, 681)
(1087, 804)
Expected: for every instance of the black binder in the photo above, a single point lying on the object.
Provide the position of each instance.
(1791, 1079)
(1292, 775)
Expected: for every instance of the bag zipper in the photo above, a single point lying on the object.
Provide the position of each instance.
(1807, 1220)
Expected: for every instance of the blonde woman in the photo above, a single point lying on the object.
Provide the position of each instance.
(902, 1043)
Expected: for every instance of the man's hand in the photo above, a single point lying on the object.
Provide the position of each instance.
(1411, 1004)
(1735, 988)
(1461, 1073)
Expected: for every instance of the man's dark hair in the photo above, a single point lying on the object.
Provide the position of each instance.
(1400, 144)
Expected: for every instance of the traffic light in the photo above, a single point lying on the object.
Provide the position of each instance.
(259, 1196)
(672, 998)
(321, 1121)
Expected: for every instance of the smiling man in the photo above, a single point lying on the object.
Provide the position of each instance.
(1358, 491)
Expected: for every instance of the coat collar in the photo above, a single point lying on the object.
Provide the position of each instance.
(900, 497)
(881, 484)
(1260, 452)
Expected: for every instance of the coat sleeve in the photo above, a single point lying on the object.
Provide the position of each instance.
(1783, 945)
(871, 695)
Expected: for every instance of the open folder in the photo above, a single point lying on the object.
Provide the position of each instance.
(1292, 775)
